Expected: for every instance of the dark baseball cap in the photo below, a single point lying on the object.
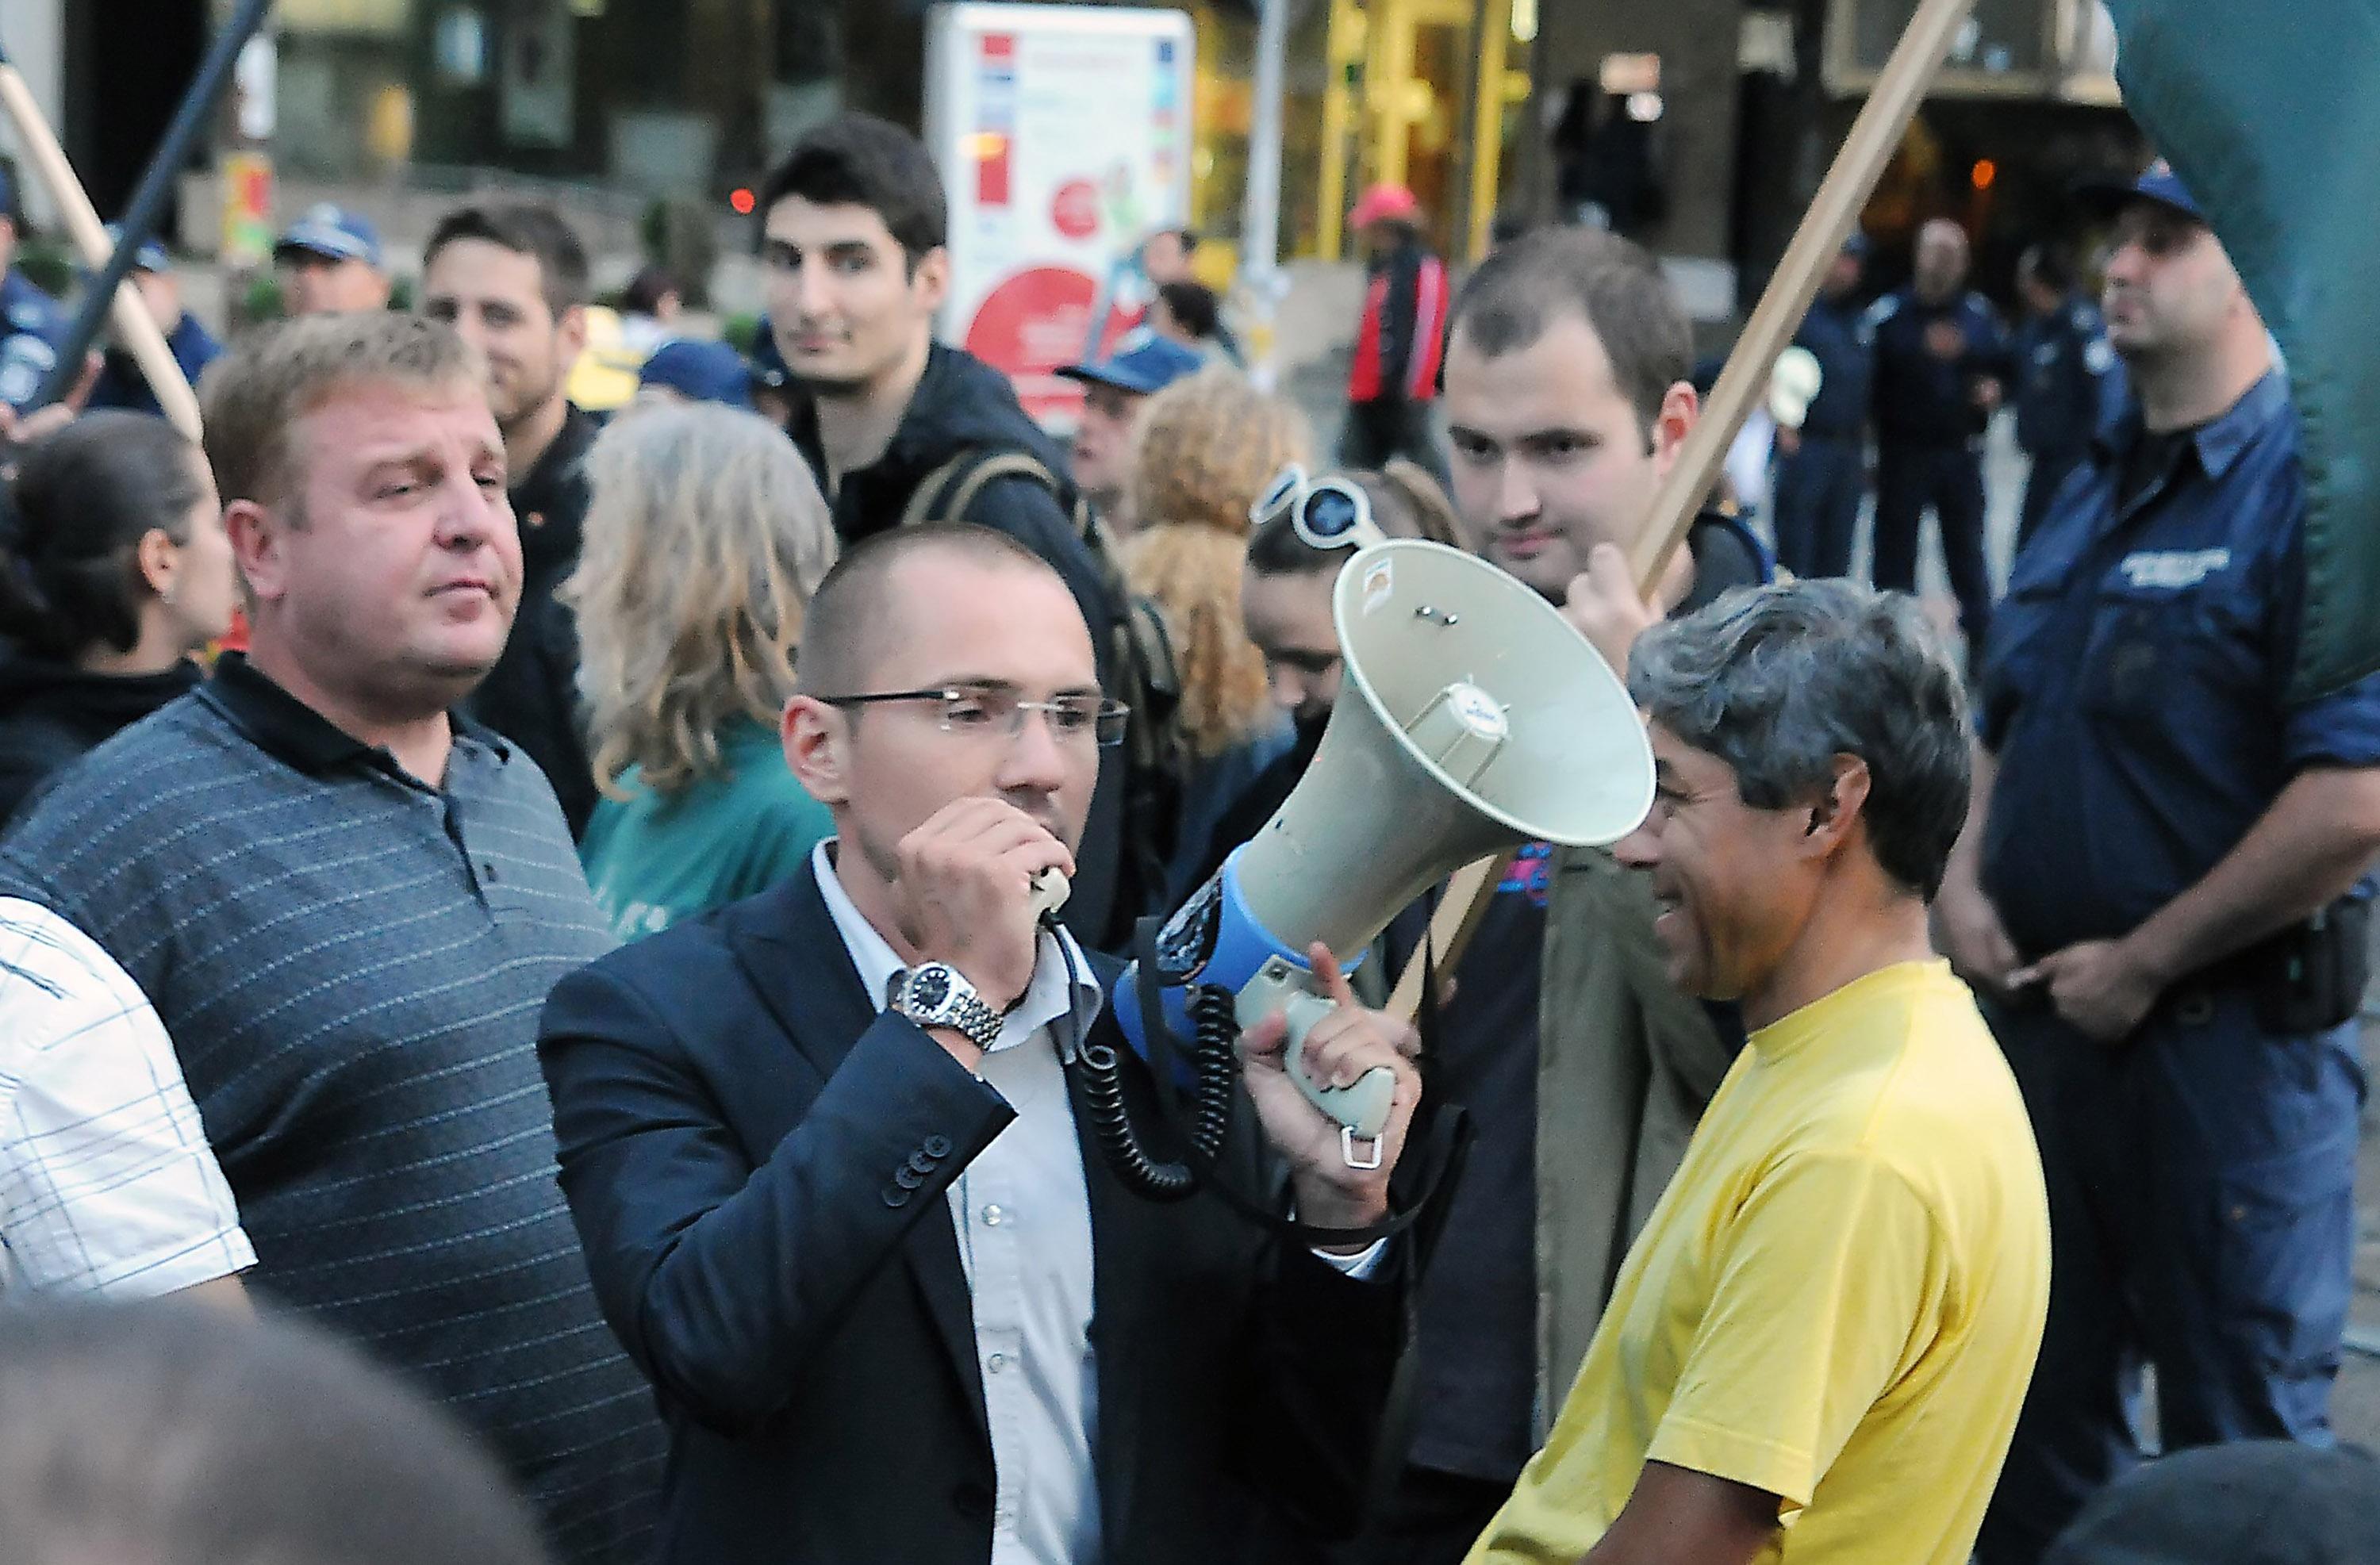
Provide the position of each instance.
(1143, 362)
(767, 364)
(333, 233)
(698, 371)
(2157, 182)
(2260, 1502)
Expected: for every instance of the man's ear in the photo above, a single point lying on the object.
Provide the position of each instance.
(1841, 809)
(1681, 408)
(260, 543)
(816, 739)
(570, 337)
(929, 280)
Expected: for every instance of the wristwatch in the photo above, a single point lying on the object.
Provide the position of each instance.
(935, 994)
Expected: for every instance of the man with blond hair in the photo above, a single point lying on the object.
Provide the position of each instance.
(347, 906)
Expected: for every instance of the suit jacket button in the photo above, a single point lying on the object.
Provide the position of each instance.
(908, 1178)
(895, 1197)
(922, 1163)
(937, 1147)
(972, 1501)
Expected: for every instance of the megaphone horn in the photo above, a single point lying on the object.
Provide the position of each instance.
(1472, 718)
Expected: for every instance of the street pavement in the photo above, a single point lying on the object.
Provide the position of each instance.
(2355, 1407)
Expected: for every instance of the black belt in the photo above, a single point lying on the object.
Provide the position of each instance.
(2309, 977)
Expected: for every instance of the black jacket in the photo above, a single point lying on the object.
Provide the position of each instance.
(963, 406)
(52, 713)
(757, 1165)
(531, 696)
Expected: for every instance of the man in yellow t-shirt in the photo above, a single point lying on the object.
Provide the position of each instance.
(1817, 1346)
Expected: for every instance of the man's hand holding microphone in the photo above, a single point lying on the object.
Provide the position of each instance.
(964, 896)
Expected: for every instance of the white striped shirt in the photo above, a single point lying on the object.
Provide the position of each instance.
(106, 1183)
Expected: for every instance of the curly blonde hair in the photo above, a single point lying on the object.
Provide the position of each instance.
(706, 535)
(1204, 450)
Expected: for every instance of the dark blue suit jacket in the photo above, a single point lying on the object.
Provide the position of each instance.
(734, 1120)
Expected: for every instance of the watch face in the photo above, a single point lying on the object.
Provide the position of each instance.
(929, 987)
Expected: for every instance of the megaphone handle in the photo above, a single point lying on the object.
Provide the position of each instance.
(1363, 1106)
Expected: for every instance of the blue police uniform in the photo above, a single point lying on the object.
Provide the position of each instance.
(1820, 486)
(1929, 442)
(2201, 1173)
(2069, 386)
(121, 383)
(31, 327)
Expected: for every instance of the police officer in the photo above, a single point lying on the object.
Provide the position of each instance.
(1941, 360)
(330, 260)
(1822, 467)
(2068, 381)
(32, 323)
(2161, 887)
(122, 382)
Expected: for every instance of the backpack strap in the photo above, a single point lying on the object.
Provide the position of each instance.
(944, 494)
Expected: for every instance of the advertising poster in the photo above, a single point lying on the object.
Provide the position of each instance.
(1062, 134)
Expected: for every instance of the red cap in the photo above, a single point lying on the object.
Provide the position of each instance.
(1385, 203)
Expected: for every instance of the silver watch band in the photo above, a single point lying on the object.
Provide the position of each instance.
(962, 1009)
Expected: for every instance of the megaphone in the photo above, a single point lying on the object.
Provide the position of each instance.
(1472, 718)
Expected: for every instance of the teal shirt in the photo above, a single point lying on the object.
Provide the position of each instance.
(660, 859)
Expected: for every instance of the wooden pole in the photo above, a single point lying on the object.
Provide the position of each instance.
(133, 326)
(1881, 123)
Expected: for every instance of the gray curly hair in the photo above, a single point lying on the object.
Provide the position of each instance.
(1778, 681)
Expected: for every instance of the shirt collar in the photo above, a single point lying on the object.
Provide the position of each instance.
(2220, 440)
(1047, 998)
(542, 486)
(295, 734)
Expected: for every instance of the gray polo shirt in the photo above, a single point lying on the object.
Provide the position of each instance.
(351, 963)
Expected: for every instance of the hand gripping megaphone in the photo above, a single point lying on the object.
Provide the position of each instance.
(1472, 718)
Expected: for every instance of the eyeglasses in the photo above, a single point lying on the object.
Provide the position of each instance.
(1327, 513)
(984, 712)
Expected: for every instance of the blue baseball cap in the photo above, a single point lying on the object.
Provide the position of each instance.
(333, 233)
(2156, 182)
(700, 372)
(149, 256)
(767, 364)
(1143, 362)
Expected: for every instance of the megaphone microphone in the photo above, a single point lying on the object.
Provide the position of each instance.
(1472, 718)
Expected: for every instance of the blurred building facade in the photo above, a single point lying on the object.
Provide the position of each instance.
(694, 98)
(1699, 127)
(1712, 121)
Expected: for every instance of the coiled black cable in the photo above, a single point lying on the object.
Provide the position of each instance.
(1214, 1067)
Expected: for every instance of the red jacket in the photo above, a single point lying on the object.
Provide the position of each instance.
(1402, 341)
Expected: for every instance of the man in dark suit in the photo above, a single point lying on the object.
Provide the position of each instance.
(837, 1183)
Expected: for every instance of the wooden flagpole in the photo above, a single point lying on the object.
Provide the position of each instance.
(133, 326)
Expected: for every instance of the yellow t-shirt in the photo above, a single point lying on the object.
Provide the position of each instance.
(1838, 1300)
